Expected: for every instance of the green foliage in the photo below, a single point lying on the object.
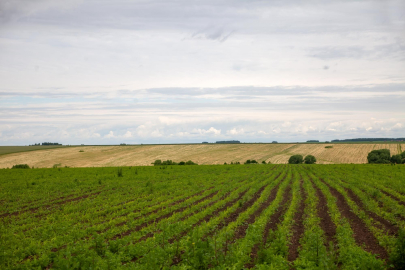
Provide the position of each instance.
(295, 159)
(329, 146)
(251, 161)
(20, 166)
(81, 150)
(310, 159)
(119, 172)
(381, 156)
(171, 217)
(398, 255)
(396, 159)
(159, 162)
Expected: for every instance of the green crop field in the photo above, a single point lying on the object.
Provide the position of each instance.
(17, 149)
(201, 217)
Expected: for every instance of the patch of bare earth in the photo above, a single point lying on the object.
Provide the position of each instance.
(240, 231)
(327, 225)
(387, 226)
(298, 227)
(233, 216)
(362, 235)
(393, 197)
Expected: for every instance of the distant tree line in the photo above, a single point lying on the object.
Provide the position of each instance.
(159, 162)
(227, 142)
(21, 166)
(49, 143)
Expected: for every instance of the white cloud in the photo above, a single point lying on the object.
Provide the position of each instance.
(128, 134)
(109, 135)
(235, 131)
(210, 131)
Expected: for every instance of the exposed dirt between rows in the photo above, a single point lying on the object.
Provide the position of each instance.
(393, 197)
(298, 226)
(380, 203)
(271, 225)
(361, 233)
(240, 231)
(233, 216)
(327, 225)
(145, 224)
(388, 227)
(207, 218)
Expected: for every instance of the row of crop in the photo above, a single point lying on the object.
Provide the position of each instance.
(140, 221)
(199, 248)
(351, 255)
(121, 246)
(254, 234)
(38, 189)
(57, 225)
(369, 191)
(315, 252)
(275, 251)
(153, 254)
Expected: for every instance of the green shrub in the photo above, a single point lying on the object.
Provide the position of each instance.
(398, 254)
(251, 161)
(191, 163)
(329, 146)
(381, 156)
(310, 159)
(263, 162)
(296, 159)
(81, 151)
(396, 159)
(21, 166)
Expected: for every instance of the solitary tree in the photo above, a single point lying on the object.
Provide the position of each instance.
(310, 159)
(379, 156)
(295, 159)
(396, 159)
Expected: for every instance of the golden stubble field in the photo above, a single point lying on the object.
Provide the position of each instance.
(102, 156)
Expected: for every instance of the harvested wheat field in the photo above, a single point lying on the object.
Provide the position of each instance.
(101, 156)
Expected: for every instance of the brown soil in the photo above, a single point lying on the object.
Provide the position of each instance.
(327, 225)
(240, 231)
(207, 218)
(389, 228)
(271, 225)
(362, 234)
(233, 216)
(393, 197)
(298, 227)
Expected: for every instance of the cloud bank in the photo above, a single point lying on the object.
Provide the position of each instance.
(105, 72)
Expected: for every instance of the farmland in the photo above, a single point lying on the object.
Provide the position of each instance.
(200, 217)
(142, 155)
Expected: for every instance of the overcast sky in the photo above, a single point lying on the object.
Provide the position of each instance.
(106, 72)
